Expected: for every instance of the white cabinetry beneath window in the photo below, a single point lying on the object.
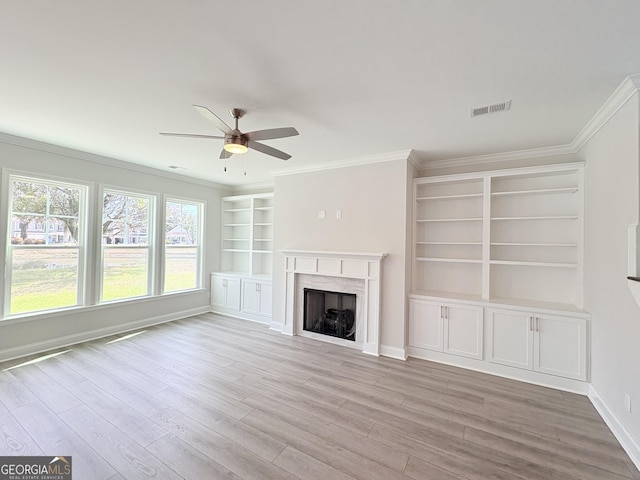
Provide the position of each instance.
(446, 327)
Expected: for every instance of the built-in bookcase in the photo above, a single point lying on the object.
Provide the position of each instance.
(448, 236)
(509, 235)
(247, 234)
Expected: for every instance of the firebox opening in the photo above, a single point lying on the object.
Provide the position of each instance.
(330, 313)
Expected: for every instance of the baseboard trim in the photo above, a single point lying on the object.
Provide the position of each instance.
(68, 340)
(624, 437)
(276, 326)
(393, 352)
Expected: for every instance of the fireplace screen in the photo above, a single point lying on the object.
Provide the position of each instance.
(330, 313)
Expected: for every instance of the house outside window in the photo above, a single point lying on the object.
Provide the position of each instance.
(46, 248)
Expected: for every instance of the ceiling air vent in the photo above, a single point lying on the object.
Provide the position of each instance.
(495, 108)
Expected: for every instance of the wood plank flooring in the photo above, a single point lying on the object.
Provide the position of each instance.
(213, 397)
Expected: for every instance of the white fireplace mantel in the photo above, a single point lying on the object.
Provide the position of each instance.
(355, 265)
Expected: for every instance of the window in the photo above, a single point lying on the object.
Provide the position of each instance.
(126, 256)
(182, 252)
(46, 249)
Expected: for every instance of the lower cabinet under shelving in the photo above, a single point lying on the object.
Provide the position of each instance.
(241, 296)
(537, 345)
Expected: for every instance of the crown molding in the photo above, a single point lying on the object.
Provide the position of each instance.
(353, 162)
(250, 187)
(618, 98)
(94, 158)
(626, 90)
(498, 157)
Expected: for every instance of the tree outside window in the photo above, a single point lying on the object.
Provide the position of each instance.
(126, 261)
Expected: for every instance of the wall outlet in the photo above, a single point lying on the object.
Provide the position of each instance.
(338, 214)
(627, 403)
(321, 214)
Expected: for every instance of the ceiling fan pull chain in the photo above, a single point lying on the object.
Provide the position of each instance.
(225, 164)
(245, 165)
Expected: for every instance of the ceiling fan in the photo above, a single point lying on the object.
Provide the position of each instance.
(237, 142)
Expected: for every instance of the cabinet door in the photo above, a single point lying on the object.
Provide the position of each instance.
(425, 324)
(463, 330)
(233, 293)
(250, 296)
(218, 292)
(265, 299)
(225, 292)
(510, 338)
(561, 346)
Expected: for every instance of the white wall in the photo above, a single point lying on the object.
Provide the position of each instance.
(374, 219)
(40, 332)
(611, 205)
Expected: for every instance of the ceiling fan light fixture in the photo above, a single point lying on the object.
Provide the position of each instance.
(235, 145)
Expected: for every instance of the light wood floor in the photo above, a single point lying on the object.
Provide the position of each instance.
(211, 397)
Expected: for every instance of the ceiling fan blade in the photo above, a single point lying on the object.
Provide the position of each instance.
(193, 135)
(224, 154)
(271, 133)
(212, 117)
(274, 152)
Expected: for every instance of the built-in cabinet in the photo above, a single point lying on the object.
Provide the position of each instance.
(537, 341)
(446, 327)
(510, 244)
(243, 297)
(225, 293)
(243, 288)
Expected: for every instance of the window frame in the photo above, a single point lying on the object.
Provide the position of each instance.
(151, 244)
(82, 247)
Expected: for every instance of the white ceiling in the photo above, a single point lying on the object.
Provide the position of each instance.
(355, 77)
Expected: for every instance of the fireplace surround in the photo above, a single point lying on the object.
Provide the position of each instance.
(348, 272)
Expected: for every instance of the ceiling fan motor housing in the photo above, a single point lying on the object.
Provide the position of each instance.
(235, 139)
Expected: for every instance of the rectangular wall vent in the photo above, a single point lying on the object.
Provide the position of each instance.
(495, 108)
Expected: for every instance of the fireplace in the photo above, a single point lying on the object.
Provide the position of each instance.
(330, 313)
(359, 274)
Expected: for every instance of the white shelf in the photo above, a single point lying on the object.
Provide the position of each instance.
(237, 224)
(429, 220)
(448, 243)
(543, 217)
(448, 197)
(542, 191)
(236, 250)
(448, 260)
(263, 208)
(533, 264)
(266, 224)
(262, 251)
(234, 210)
(514, 244)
